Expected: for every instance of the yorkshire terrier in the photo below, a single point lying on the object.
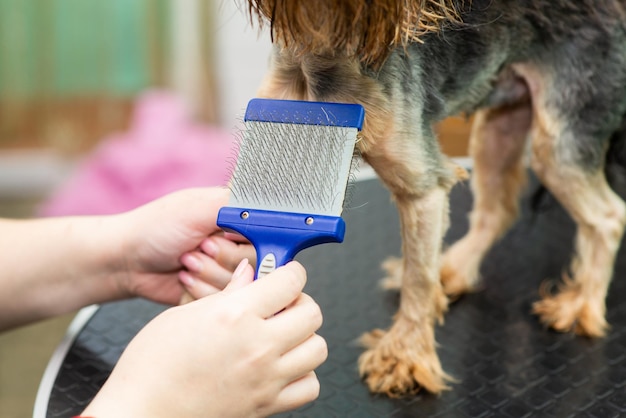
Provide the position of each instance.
(553, 71)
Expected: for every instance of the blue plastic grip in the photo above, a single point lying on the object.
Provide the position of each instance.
(283, 234)
(348, 115)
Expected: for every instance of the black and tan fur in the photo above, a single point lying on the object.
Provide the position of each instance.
(552, 71)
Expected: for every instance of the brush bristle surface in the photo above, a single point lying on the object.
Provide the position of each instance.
(293, 167)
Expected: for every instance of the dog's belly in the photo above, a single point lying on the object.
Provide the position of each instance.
(510, 89)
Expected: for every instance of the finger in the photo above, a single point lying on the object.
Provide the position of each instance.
(297, 393)
(296, 323)
(231, 236)
(243, 276)
(234, 237)
(195, 287)
(303, 358)
(206, 268)
(275, 291)
(226, 252)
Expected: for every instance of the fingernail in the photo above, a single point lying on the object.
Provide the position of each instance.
(192, 263)
(240, 268)
(186, 279)
(210, 248)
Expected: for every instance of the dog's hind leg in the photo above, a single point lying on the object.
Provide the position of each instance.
(497, 144)
(600, 217)
(568, 155)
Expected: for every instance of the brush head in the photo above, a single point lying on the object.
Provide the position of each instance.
(296, 156)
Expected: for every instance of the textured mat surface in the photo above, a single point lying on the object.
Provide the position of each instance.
(506, 363)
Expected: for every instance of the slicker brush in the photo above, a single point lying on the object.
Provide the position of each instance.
(289, 183)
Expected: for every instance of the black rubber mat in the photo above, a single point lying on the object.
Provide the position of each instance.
(506, 363)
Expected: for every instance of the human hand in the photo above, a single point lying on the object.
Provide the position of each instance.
(210, 267)
(156, 235)
(226, 355)
(85, 260)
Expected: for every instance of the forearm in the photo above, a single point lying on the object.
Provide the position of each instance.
(53, 266)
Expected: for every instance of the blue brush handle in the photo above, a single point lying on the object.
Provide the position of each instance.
(307, 113)
(282, 234)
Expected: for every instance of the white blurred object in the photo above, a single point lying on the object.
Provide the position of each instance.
(241, 56)
(241, 59)
(31, 173)
(186, 59)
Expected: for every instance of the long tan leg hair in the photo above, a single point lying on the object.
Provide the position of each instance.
(600, 217)
(599, 214)
(404, 358)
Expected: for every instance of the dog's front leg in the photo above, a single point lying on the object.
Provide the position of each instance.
(497, 145)
(402, 359)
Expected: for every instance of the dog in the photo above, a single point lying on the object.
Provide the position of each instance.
(548, 72)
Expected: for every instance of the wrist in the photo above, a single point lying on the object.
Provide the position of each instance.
(97, 253)
(112, 255)
(100, 245)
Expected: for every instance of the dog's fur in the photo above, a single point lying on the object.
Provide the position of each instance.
(553, 71)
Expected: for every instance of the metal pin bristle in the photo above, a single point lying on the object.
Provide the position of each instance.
(294, 167)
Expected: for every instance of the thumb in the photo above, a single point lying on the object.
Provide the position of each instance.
(242, 276)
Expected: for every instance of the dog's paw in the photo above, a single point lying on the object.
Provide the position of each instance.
(397, 365)
(570, 310)
(393, 269)
(459, 270)
(457, 282)
(453, 282)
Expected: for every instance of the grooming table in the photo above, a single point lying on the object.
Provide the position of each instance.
(506, 362)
